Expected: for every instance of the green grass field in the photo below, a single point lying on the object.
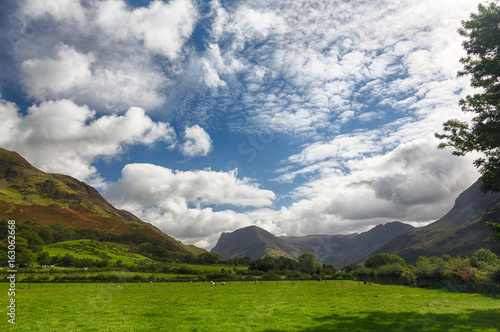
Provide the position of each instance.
(242, 306)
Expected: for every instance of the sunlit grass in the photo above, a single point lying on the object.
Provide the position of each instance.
(244, 306)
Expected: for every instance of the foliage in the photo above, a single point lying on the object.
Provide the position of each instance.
(308, 263)
(379, 260)
(483, 256)
(495, 227)
(481, 63)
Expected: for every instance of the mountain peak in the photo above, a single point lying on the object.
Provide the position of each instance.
(252, 241)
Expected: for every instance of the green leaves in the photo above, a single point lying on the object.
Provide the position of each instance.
(482, 64)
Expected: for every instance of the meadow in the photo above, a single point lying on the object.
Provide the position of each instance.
(244, 306)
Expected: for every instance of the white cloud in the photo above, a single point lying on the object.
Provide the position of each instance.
(180, 202)
(47, 77)
(162, 26)
(197, 142)
(60, 136)
(68, 10)
(155, 185)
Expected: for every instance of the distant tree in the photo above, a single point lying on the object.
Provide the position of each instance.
(43, 258)
(24, 255)
(349, 268)
(378, 260)
(308, 263)
(485, 256)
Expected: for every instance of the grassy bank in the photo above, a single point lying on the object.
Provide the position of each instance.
(244, 306)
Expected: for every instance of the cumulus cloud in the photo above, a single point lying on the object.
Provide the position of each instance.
(63, 137)
(46, 77)
(180, 203)
(149, 184)
(197, 142)
(162, 26)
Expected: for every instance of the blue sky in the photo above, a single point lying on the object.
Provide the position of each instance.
(201, 117)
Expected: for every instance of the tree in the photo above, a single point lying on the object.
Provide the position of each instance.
(482, 63)
(485, 256)
(309, 264)
(378, 260)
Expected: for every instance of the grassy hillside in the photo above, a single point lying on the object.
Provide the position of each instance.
(96, 250)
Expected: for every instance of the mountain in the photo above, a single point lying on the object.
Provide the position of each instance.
(28, 194)
(460, 232)
(342, 250)
(338, 250)
(254, 242)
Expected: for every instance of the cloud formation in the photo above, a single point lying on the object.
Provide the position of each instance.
(63, 137)
(85, 51)
(197, 142)
(180, 203)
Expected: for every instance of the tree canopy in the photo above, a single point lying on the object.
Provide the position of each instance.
(482, 64)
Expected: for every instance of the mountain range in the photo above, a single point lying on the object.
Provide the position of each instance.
(460, 232)
(337, 250)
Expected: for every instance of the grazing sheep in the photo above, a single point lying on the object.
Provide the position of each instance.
(117, 286)
(213, 283)
(222, 283)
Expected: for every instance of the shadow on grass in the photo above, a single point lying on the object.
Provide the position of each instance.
(409, 321)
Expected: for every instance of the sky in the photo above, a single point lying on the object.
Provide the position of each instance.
(201, 117)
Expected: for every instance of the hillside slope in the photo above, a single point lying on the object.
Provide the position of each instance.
(460, 232)
(28, 194)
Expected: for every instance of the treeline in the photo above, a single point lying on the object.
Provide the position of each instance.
(479, 273)
(306, 267)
